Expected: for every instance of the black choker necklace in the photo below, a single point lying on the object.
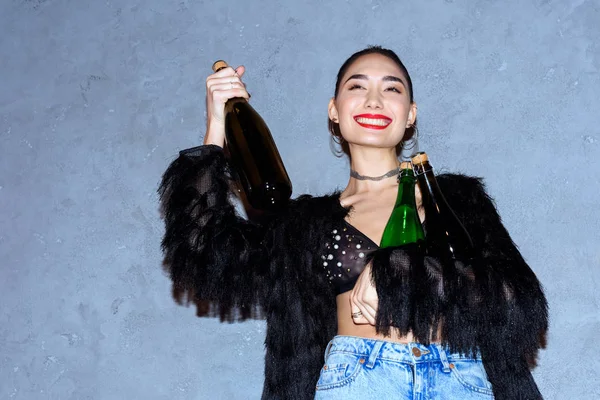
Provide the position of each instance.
(388, 174)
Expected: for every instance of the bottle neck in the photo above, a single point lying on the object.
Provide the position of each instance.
(431, 194)
(406, 187)
(422, 168)
(236, 100)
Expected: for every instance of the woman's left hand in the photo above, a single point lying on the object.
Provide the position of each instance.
(364, 301)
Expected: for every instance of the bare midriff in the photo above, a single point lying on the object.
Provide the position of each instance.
(347, 327)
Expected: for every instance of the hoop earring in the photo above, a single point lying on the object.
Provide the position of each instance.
(410, 146)
(338, 139)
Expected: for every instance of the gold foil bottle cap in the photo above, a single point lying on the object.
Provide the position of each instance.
(420, 158)
(219, 65)
(405, 165)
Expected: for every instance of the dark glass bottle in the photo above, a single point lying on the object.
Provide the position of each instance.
(254, 155)
(446, 237)
(404, 226)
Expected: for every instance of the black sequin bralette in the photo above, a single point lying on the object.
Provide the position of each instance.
(345, 256)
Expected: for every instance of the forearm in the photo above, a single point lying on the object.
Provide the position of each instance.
(215, 134)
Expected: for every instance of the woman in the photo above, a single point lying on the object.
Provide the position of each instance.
(316, 274)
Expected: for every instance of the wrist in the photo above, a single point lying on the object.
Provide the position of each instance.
(215, 134)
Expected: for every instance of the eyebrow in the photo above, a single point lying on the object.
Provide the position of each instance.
(387, 78)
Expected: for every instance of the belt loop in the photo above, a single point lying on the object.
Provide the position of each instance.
(327, 350)
(443, 358)
(374, 354)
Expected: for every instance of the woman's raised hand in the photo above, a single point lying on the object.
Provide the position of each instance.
(220, 87)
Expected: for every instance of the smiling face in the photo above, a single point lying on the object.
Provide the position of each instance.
(372, 105)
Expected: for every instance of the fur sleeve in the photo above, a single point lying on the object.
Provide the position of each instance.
(214, 257)
(510, 314)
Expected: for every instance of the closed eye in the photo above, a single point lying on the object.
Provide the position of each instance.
(355, 86)
(393, 89)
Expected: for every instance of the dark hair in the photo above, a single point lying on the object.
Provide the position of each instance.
(334, 128)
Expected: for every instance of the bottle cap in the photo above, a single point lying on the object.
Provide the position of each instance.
(219, 65)
(405, 165)
(420, 158)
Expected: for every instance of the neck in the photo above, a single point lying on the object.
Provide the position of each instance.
(390, 174)
(372, 162)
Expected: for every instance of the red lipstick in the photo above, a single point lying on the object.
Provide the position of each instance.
(372, 121)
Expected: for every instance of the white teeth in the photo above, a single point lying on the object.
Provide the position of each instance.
(370, 121)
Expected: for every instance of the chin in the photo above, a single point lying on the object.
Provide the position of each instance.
(379, 144)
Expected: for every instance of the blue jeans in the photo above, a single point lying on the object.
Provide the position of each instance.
(358, 368)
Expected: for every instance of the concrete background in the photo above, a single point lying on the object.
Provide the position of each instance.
(97, 97)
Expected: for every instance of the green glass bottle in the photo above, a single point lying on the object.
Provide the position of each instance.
(404, 226)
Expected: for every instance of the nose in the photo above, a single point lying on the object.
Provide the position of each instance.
(374, 100)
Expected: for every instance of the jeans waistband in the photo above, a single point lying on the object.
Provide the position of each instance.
(402, 352)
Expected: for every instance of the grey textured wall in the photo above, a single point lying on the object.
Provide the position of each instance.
(97, 97)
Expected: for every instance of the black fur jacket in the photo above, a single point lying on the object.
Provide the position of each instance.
(237, 269)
